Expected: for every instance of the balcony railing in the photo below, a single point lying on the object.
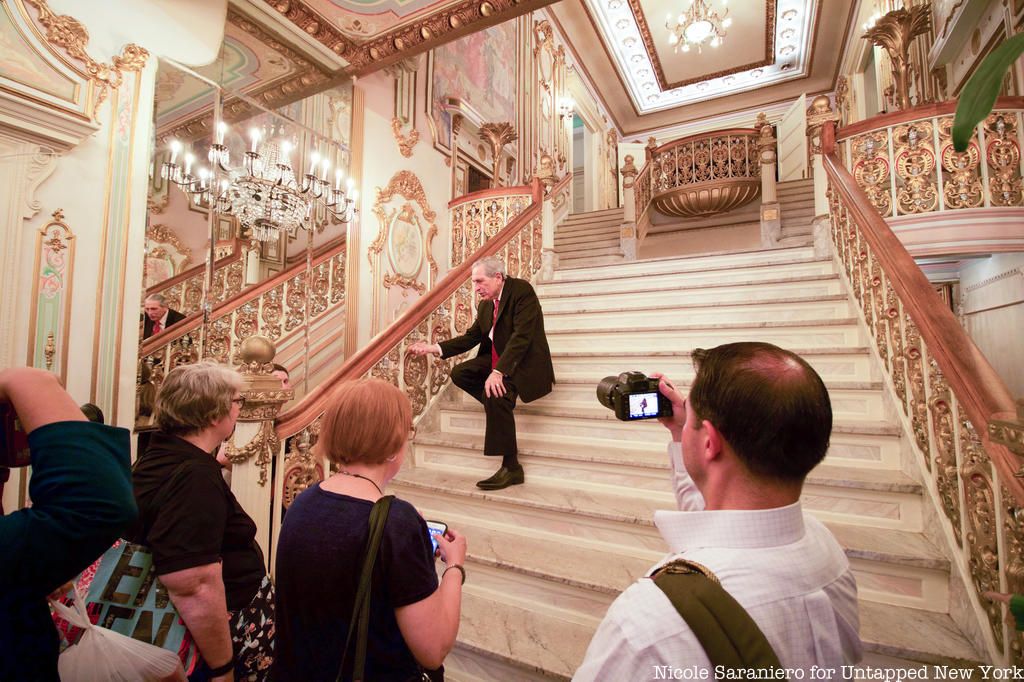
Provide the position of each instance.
(478, 216)
(947, 391)
(905, 162)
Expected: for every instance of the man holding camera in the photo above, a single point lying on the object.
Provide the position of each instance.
(756, 421)
(513, 360)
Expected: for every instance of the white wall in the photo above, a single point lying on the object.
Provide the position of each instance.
(992, 292)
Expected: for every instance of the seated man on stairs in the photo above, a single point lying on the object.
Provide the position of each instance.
(757, 420)
(513, 360)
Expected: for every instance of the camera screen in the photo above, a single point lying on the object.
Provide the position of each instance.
(643, 405)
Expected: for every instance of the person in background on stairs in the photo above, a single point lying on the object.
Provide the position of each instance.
(756, 421)
(513, 360)
(322, 551)
(158, 316)
(1014, 604)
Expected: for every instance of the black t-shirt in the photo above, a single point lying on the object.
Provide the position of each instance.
(189, 517)
(320, 555)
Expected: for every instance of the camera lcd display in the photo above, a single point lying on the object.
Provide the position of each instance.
(643, 405)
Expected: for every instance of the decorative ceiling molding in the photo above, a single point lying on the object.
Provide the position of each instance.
(446, 24)
(645, 33)
(633, 55)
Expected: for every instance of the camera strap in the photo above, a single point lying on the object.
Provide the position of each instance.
(730, 637)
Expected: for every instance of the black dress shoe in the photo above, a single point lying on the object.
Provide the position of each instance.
(502, 479)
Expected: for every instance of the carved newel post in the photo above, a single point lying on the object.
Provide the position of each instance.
(627, 232)
(549, 259)
(254, 444)
(818, 114)
(771, 212)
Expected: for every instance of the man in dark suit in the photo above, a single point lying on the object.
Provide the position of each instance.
(513, 361)
(158, 316)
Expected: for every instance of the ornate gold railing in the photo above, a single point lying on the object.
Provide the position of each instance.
(445, 311)
(477, 217)
(704, 174)
(275, 309)
(184, 292)
(947, 391)
(905, 162)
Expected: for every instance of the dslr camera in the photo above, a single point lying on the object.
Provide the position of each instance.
(633, 395)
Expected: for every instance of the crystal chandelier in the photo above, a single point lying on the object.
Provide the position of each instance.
(264, 194)
(696, 25)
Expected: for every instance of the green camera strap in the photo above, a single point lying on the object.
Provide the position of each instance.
(728, 634)
(359, 623)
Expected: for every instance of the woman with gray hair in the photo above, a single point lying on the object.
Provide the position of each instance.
(203, 543)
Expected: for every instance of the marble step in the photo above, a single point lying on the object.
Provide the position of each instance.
(787, 334)
(583, 215)
(851, 363)
(779, 261)
(875, 498)
(741, 280)
(571, 224)
(512, 528)
(861, 401)
(643, 317)
(854, 443)
(592, 261)
(593, 238)
(689, 294)
(583, 246)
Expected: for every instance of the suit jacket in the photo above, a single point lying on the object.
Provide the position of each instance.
(147, 324)
(519, 338)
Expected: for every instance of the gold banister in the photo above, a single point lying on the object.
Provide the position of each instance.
(302, 415)
(949, 395)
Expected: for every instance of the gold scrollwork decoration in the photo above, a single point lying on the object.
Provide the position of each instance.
(962, 188)
(69, 34)
(980, 518)
(871, 169)
(915, 168)
(263, 447)
(405, 142)
(302, 468)
(940, 409)
(1002, 152)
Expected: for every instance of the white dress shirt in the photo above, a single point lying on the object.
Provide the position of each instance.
(783, 566)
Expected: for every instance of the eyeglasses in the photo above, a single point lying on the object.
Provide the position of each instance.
(240, 400)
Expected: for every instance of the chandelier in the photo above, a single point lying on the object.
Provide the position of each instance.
(696, 25)
(264, 193)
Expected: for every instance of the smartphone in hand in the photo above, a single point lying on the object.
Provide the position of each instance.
(436, 528)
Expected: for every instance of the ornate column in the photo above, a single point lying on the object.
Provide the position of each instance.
(895, 32)
(627, 231)
(549, 259)
(771, 213)
(251, 475)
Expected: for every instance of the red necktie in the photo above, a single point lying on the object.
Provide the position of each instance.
(157, 328)
(494, 349)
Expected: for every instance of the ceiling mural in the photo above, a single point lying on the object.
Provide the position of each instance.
(767, 42)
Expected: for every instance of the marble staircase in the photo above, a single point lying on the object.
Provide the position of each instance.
(589, 239)
(547, 558)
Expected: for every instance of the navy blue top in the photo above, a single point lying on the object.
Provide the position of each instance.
(319, 557)
(81, 502)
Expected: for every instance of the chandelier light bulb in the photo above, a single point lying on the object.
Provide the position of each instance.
(727, 22)
(175, 150)
(353, 195)
(326, 167)
(337, 179)
(714, 42)
(314, 159)
(349, 184)
(673, 39)
(686, 47)
(222, 129)
(254, 135)
(189, 159)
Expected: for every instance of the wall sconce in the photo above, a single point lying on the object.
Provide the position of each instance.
(566, 107)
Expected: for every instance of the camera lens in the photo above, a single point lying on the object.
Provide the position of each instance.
(605, 391)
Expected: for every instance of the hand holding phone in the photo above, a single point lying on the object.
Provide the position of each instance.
(435, 528)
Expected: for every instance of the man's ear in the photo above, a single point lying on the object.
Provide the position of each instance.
(714, 442)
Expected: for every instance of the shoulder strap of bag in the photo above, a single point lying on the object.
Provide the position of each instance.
(728, 634)
(360, 620)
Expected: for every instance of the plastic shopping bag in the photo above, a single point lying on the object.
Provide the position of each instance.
(102, 655)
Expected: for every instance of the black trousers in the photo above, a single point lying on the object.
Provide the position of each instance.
(500, 433)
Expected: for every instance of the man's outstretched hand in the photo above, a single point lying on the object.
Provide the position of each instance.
(422, 348)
